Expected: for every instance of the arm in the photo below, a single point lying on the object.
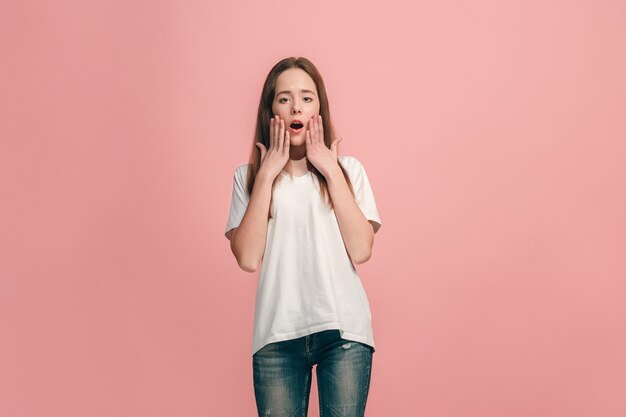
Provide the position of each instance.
(247, 242)
(357, 232)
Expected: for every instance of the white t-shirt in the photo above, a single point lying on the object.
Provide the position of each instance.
(307, 281)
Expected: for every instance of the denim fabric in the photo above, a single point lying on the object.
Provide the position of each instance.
(282, 376)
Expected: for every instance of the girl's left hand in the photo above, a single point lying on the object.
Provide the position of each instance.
(324, 159)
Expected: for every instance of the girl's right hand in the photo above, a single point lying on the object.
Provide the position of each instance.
(274, 159)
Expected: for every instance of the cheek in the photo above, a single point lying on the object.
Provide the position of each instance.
(280, 111)
(277, 109)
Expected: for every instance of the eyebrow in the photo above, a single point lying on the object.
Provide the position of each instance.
(289, 92)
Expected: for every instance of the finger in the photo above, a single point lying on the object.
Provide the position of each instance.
(276, 131)
(281, 141)
(262, 149)
(272, 130)
(320, 127)
(309, 131)
(316, 130)
(333, 146)
(281, 133)
(308, 139)
(314, 137)
(285, 149)
(320, 138)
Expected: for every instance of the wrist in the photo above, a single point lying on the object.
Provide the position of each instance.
(262, 177)
(334, 173)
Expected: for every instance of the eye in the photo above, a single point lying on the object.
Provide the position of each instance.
(280, 100)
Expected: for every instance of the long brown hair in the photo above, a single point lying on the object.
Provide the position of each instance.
(262, 132)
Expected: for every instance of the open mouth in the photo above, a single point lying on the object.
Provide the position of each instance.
(296, 126)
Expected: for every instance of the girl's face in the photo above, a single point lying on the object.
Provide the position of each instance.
(295, 99)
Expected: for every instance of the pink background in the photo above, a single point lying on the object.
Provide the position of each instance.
(494, 136)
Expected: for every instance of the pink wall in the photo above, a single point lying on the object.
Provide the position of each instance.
(494, 136)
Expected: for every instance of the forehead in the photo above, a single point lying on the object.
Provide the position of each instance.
(295, 79)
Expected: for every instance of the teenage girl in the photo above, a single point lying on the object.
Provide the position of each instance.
(310, 215)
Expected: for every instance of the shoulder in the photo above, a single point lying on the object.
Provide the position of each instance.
(241, 175)
(242, 170)
(242, 167)
(350, 163)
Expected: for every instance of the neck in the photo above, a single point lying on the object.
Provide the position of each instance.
(297, 152)
(298, 163)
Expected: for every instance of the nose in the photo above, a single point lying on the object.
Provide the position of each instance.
(295, 110)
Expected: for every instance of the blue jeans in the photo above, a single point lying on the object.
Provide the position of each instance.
(282, 376)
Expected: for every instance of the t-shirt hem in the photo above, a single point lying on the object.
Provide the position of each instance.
(314, 329)
(357, 338)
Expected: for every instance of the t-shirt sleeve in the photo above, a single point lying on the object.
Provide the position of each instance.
(363, 192)
(238, 201)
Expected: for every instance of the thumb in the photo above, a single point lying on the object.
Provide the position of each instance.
(262, 149)
(333, 146)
